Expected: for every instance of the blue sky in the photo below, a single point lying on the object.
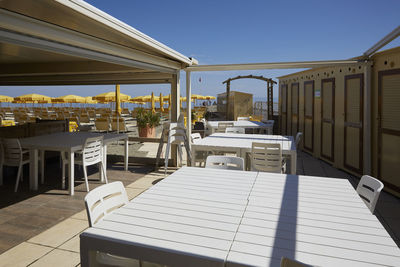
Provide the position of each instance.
(218, 32)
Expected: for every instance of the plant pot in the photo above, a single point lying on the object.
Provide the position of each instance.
(147, 131)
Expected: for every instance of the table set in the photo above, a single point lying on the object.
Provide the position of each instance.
(214, 217)
(65, 142)
(241, 145)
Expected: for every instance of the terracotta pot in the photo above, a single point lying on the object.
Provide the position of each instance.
(147, 132)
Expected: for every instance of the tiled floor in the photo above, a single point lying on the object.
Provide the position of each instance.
(27, 213)
(59, 245)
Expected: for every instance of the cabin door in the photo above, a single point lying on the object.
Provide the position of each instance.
(389, 128)
(353, 122)
(328, 118)
(284, 109)
(309, 116)
(295, 108)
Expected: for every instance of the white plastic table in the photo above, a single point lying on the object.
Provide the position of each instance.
(69, 143)
(211, 126)
(210, 217)
(241, 145)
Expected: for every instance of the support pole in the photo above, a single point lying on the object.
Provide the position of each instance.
(367, 119)
(228, 89)
(175, 110)
(189, 106)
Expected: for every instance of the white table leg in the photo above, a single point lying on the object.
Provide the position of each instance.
(71, 174)
(194, 156)
(126, 154)
(41, 166)
(293, 162)
(33, 169)
(104, 163)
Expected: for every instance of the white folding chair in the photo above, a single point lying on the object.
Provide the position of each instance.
(235, 130)
(243, 118)
(298, 139)
(225, 162)
(100, 202)
(266, 157)
(92, 153)
(13, 155)
(369, 190)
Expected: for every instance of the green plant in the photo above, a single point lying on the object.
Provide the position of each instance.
(147, 118)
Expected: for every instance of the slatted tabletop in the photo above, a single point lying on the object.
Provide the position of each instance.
(211, 217)
(241, 144)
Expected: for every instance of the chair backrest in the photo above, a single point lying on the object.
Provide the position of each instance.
(103, 200)
(266, 157)
(12, 151)
(102, 124)
(235, 130)
(84, 117)
(243, 118)
(92, 150)
(177, 133)
(195, 137)
(225, 162)
(222, 126)
(369, 190)
(298, 139)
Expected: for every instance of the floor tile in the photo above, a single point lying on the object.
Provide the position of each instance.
(72, 244)
(23, 254)
(60, 233)
(59, 258)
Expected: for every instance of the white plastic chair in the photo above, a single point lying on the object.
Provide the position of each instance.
(100, 202)
(195, 137)
(369, 190)
(235, 130)
(13, 155)
(177, 135)
(266, 157)
(243, 118)
(222, 126)
(298, 139)
(92, 153)
(225, 162)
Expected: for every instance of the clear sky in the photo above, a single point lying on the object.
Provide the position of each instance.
(232, 31)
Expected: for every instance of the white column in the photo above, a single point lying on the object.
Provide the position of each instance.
(189, 106)
(367, 119)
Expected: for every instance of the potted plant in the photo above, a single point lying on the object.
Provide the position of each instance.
(146, 122)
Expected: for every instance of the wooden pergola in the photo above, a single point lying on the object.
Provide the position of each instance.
(270, 84)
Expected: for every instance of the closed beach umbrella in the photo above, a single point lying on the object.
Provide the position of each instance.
(117, 100)
(161, 103)
(153, 103)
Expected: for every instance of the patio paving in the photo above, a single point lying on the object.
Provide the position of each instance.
(59, 244)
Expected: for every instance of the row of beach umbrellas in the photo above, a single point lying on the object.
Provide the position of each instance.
(101, 98)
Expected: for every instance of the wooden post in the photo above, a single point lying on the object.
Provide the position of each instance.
(228, 89)
(175, 110)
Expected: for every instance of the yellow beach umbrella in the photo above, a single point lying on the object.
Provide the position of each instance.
(69, 99)
(31, 98)
(5, 99)
(89, 100)
(208, 97)
(117, 100)
(153, 103)
(161, 103)
(110, 97)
